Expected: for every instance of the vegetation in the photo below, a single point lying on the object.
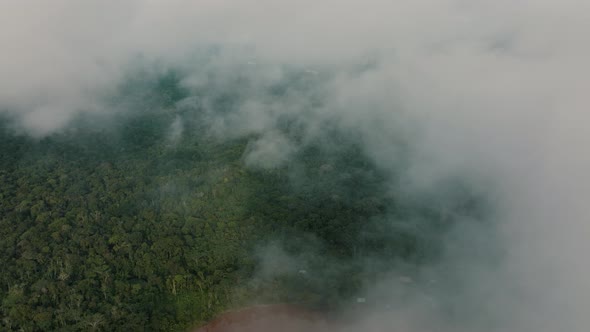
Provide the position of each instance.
(115, 227)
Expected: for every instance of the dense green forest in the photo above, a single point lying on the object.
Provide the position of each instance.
(110, 225)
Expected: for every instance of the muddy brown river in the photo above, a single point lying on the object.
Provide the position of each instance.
(271, 318)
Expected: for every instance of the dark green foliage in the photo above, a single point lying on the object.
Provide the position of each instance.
(114, 228)
(113, 238)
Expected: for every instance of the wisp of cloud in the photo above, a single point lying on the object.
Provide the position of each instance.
(493, 92)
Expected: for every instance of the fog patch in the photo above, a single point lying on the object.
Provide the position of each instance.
(175, 131)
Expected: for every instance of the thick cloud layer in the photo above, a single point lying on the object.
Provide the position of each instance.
(485, 89)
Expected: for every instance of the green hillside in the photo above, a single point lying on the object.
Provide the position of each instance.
(112, 224)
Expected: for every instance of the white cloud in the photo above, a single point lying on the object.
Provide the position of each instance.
(495, 88)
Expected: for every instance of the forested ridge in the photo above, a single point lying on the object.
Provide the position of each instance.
(118, 228)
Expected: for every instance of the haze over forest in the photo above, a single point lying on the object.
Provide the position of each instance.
(399, 165)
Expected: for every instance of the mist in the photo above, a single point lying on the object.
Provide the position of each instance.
(489, 92)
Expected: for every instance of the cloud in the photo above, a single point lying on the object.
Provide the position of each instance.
(484, 89)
